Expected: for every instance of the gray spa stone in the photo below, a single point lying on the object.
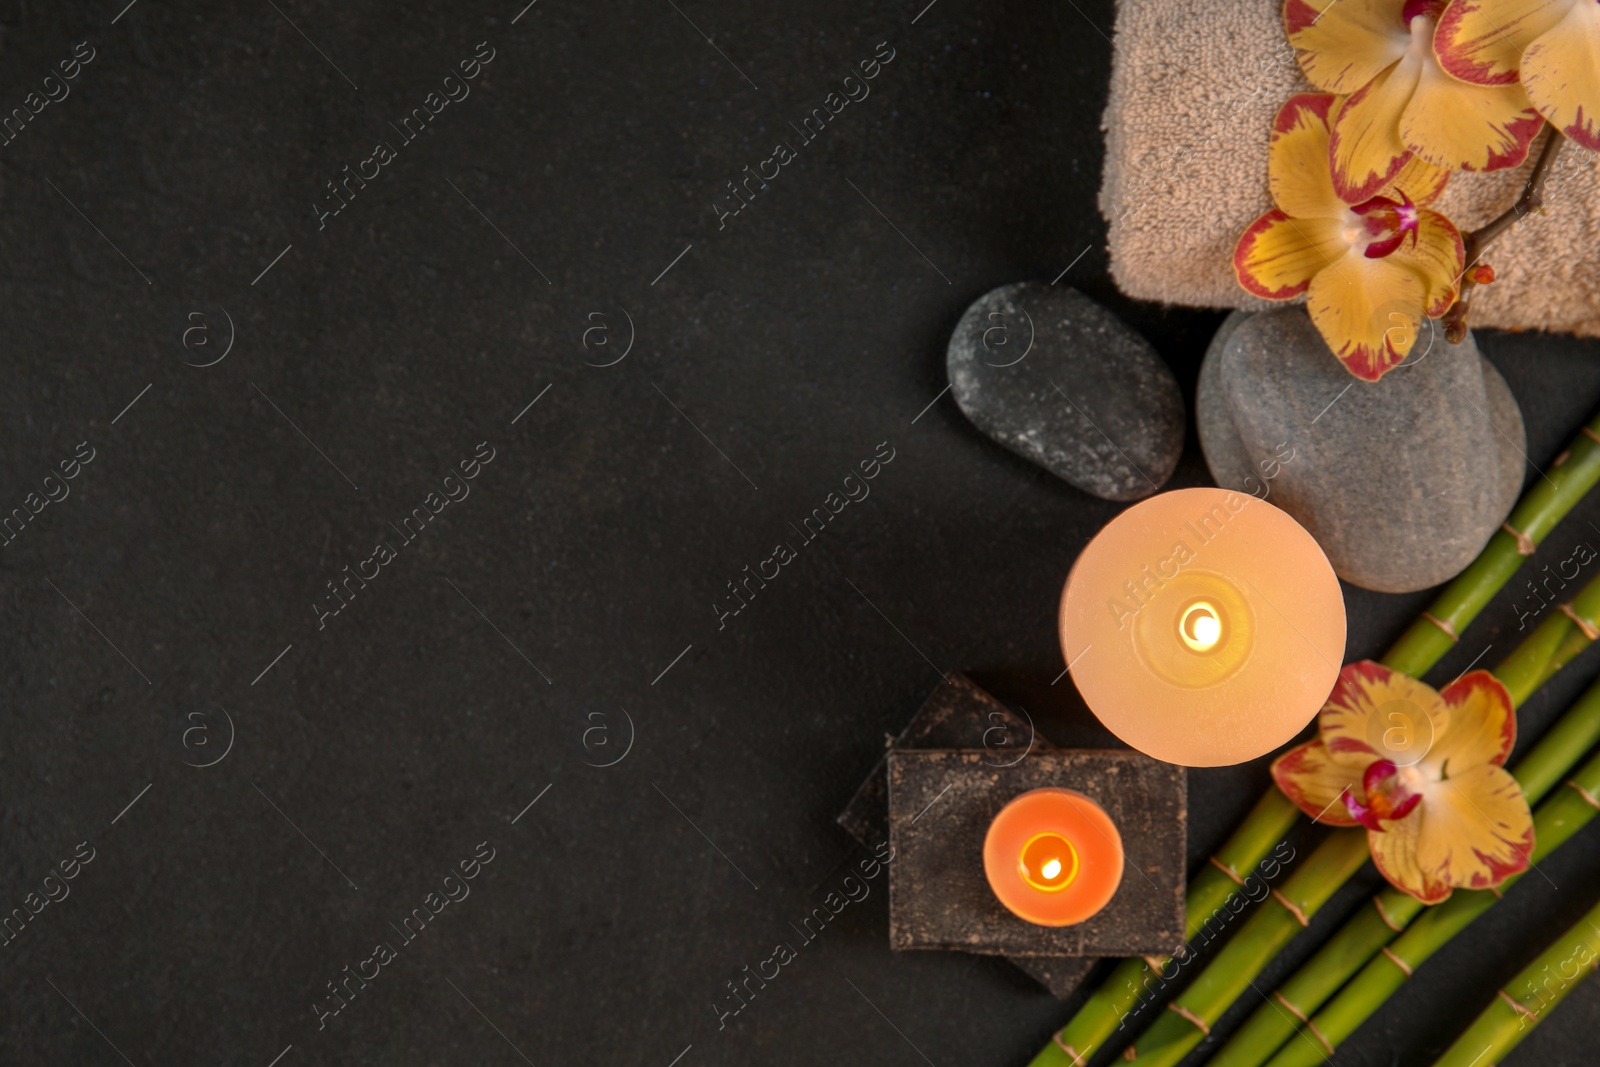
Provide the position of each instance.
(1230, 465)
(1059, 380)
(1401, 481)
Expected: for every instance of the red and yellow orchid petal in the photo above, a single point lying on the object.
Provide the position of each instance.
(1474, 830)
(1368, 311)
(1480, 731)
(1366, 150)
(1394, 853)
(1419, 180)
(1277, 256)
(1561, 72)
(1483, 41)
(1438, 256)
(1343, 44)
(1467, 127)
(1368, 700)
(1297, 162)
(1316, 784)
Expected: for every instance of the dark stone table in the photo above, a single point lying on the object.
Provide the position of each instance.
(396, 672)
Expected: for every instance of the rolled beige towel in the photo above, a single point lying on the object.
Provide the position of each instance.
(1194, 87)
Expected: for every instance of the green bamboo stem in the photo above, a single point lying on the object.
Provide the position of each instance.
(1544, 505)
(1572, 475)
(1231, 971)
(1333, 863)
(1277, 1019)
(1266, 825)
(1210, 890)
(1520, 1006)
(1552, 645)
(1366, 932)
(1562, 814)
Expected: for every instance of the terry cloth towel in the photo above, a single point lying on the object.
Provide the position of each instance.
(1194, 88)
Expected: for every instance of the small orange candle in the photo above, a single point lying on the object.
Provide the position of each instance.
(1203, 627)
(1053, 857)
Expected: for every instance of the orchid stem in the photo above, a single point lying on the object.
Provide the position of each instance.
(1478, 241)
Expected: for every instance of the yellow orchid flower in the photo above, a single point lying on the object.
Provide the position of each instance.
(1453, 818)
(1401, 101)
(1370, 270)
(1551, 46)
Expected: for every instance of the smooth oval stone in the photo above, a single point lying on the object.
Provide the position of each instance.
(1402, 481)
(1061, 381)
(1231, 465)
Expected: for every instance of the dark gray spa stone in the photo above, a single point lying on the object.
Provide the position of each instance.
(1058, 379)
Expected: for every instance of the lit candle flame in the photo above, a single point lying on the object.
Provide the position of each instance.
(1200, 627)
(1048, 862)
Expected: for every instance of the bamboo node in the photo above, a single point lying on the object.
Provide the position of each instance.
(1405, 968)
(1583, 624)
(1155, 963)
(1296, 1012)
(1377, 902)
(1588, 797)
(1498, 894)
(1590, 434)
(1516, 1005)
(1525, 545)
(1326, 1044)
(1293, 908)
(1559, 460)
(1130, 1053)
(1229, 871)
(1449, 631)
(1199, 1023)
(1077, 1059)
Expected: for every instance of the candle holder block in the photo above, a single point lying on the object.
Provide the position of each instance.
(941, 804)
(961, 714)
(958, 714)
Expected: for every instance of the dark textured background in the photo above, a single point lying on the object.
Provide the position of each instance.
(797, 339)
